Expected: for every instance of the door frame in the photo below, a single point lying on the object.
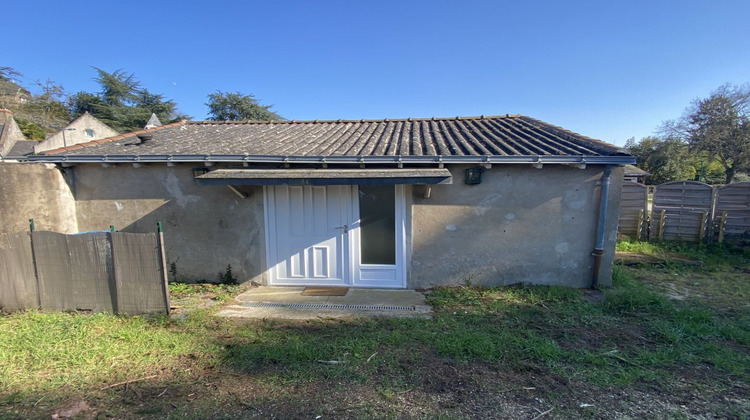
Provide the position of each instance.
(352, 268)
(365, 275)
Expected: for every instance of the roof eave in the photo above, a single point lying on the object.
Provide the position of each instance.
(489, 159)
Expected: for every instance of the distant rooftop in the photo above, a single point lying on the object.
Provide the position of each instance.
(22, 148)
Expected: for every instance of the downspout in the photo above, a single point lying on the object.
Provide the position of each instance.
(601, 225)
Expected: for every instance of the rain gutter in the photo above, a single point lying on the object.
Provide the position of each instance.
(166, 158)
(601, 225)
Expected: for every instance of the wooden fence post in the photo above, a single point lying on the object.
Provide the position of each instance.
(163, 261)
(639, 232)
(703, 227)
(662, 216)
(721, 226)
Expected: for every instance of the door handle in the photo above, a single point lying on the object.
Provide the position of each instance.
(345, 227)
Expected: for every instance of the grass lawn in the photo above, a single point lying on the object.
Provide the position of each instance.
(670, 340)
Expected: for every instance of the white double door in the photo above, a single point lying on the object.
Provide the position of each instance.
(339, 235)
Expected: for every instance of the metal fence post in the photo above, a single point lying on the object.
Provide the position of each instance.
(114, 286)
(33, 261)
(163, 261)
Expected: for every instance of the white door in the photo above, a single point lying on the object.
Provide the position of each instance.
(335, 236)
(307, 234)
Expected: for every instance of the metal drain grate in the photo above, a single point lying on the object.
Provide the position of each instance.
(326, 306)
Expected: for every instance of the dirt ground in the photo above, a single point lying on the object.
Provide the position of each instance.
(434, 388)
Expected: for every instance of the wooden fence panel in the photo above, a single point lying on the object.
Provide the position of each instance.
(18, 287)
(681, 211)
(732, 212)
(633, 210)
(99, 271)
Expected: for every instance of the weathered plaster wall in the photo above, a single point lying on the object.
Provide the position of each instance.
(10, 132)
(75, 133)
(206, 228)
(35, 191)
(520, 225)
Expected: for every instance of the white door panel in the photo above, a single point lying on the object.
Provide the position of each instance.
(306, 247)
(313, 238)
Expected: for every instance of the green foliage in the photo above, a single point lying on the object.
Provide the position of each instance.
(227, 277)
(39, 113)
(30, 130)
(235, 106)
(666, 159)
(719, 126)
(192, 292)
(713, 256)
(122, 103)
(43, 351)
(81, 102)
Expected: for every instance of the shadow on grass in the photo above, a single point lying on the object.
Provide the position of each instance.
(481, 356)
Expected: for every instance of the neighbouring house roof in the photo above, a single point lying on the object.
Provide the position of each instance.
(489, 139)
(22, 148)
(632, 170)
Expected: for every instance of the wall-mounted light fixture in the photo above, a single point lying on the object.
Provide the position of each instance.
(473, 176)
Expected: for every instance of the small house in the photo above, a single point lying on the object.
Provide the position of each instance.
(394, 203)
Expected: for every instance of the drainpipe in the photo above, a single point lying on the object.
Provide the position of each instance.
(601, 224)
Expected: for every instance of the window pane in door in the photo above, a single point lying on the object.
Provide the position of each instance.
(377, 212)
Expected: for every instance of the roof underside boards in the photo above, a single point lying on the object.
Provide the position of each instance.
(324, 177)
(508, 138)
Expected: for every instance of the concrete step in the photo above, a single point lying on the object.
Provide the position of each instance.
(289, 303)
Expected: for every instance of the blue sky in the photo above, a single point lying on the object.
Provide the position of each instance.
(606, 69)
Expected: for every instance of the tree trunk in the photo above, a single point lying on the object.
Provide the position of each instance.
(729, 175)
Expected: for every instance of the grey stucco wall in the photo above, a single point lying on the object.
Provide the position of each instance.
(206, 228)
(75, 133)
(36, 191)
(520, 225)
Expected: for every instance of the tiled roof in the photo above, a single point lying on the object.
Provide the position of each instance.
(495, 136)
(22, 148)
